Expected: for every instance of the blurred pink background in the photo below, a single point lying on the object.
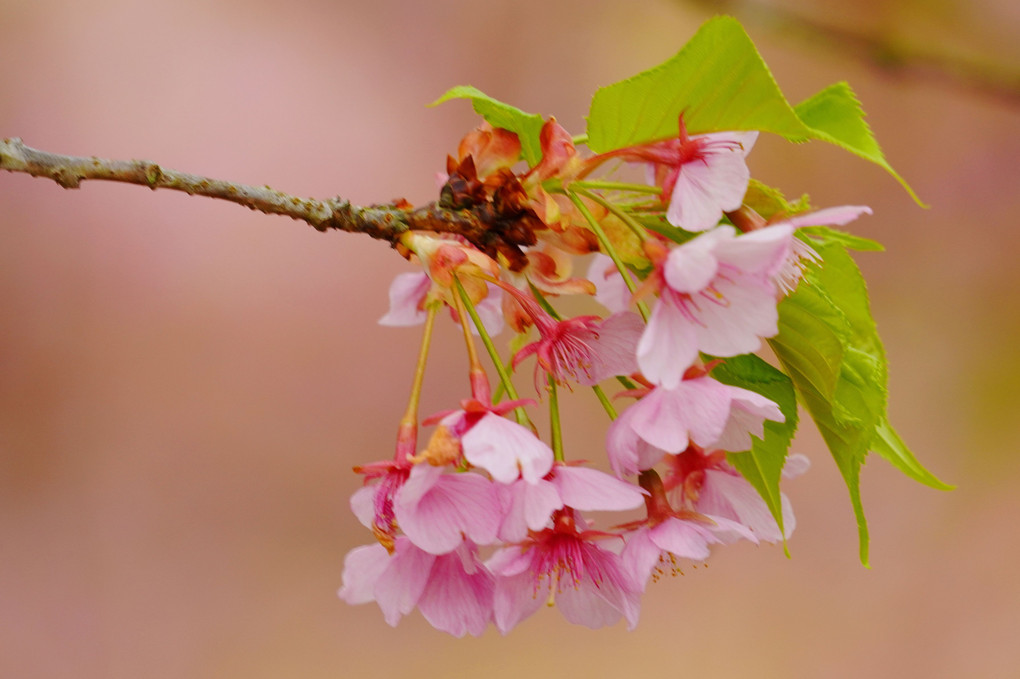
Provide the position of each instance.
(185, 385)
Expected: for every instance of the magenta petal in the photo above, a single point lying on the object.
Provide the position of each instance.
(505, 449)
(592, 490)
(362, 568)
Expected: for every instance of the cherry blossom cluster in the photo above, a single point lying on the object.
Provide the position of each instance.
(487, 522)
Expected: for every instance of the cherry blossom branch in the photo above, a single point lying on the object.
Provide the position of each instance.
(383, 222)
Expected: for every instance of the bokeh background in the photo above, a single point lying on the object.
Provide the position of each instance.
(185, 385)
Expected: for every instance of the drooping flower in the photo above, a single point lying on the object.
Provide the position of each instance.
(716, 295)
(434, 509)
(701, 175)
(802, 254)
(611, 290)
(437, 511)
(668, 533)
(409, 294)
(563, 565)
(585, 349)
(453, 591)
(703, 481)
(530, 506)
(698, 409)
(491, 442)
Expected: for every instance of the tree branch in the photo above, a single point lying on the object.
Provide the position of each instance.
(383, 222)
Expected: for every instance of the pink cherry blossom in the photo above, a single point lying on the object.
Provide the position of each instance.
(437, 511)
(717, 295)
(529, 506)
(409, 293)
(802, 254)
(506, 450)
(705, 482)
(586, 349)
(698, 409)
(565, 566)
(666, 534)
(611, 290)
(703, 175)
(453, 591)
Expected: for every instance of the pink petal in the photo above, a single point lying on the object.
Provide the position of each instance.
(669, 343)
(515, 597)
(490, 310)
(704, 189)
(685, 539)
(455, 505)
(400, 585)
(527, 506)
(795, 465)
(690, 267)
(729, 495)
(457, 600)
(363, 504)
(734, 323)
(832, 216)
(505, 449)
(670, 418)
(406, 294)
(640, 555)
(590, 605)
(748, 411)
(614, 351)
(592, 490)
(610, 289)
(362, 568)
(759, 252)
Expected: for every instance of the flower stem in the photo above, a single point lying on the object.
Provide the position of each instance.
(604, 400)
(464, 304)
(605, 242)
(407, 433)
(615, 186)
(555, 432)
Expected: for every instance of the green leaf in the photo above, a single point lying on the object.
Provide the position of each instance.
(770, 202)
(889, 445)
(827, 234)
(763, 464)
(828, 344)
(719, 82)
(835, 115)
(527, 126)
